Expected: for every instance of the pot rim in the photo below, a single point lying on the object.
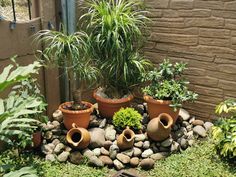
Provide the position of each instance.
(90, 109)
(112, 101)
(150, 99)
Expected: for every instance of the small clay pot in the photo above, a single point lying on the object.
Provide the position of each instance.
(80, 118)
(107, 107)
(37, 139)
(156, 107)
(126, 139)
(159, 128)
(78, 137)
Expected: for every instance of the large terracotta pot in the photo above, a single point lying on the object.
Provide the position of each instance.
(156, 107)
(37, 139)
(159, 128)
(78, 137)
(107, 107)
(126, 139)
(80, 118)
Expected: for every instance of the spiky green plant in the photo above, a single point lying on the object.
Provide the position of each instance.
(69, 51)
(114, 29)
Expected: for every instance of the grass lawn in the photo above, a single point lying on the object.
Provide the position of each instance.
(200, 160)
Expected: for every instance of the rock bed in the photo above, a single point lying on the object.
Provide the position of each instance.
(103, 149)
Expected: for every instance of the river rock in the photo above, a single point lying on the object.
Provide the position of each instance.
(103, 123)
(107, 144)
(200, 131)
(134, 161)
(76, 157)
(146, 144)
(48, 148)
(139, 137)
(63, 156)
(184, 114)
(48, 135)
(185, 123)
(97, 151)
(147, 153)
(58, 116)
(123, 158)
(59, 148)
(56, 124)
(56, 142)
(138, 144)
(145, 119)
(159, 155)
(208, 125)
(174, 146)
(104, 151)
(147, 164)
(137, 152)
(183, 143)
(113, 150)
(88, 153)
(106, 160)
(68, 149)
(110, 134)
(167, 142)
(97, 137)
(94, 161)
(197, 122)
(50, 157)
(191, 142)
(118, 165)
(128, 152)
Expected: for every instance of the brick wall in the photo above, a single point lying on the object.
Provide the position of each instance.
(202, 33)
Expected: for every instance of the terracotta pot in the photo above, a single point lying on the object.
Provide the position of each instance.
(126, 139)
(80, 118)
(159, 128)
(78, 137)
(156, 107)
(107, 107)
(37, 139)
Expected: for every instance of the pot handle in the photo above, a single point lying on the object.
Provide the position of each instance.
(74, 125)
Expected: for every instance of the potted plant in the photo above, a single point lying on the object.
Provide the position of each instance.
(69, 51)
(166, 89)
(114, 29)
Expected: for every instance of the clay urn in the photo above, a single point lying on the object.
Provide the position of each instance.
(159, 128)
(126, 139)
(78, 137)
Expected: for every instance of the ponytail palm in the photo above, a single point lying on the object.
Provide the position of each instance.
(114, 29)
(69, 51)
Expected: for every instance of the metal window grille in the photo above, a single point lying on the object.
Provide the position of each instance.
(14, 9)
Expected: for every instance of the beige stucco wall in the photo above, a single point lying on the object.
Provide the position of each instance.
(202, 33)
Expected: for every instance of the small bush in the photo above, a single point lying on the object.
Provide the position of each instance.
(127, 117)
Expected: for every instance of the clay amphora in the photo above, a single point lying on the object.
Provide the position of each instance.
(159, 128)
(126, 139)
(78, 137)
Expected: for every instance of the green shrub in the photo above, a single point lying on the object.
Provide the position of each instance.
(127, 117)
(167, 83)
(224, 132)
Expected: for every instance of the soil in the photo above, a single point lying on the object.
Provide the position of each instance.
(75, 107)
(105, 93)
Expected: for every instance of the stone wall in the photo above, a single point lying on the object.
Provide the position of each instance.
(202, 33)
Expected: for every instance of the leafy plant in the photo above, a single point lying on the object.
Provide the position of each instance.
(115, 35)
(18, 109)
(166, 83)
(25, 171)
(224, 132)
(127, 117)
(69, 51)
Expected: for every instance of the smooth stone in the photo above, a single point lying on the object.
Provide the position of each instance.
(97, 137)
(63, 156)
(164, 149)
(180, 132)
(76, 157)
(68, 149)
(185, 123)
(58, 116)
(191, 120)
(123, 158)
(59, 148)
(175, 147)
(154, 148)
(191, 142)
(139, 137)
(94, 121)
(190, 135)
(97, 151)
(138, 144)
(175, 127)
(107, 144)
(88, 153)
(189, 128)
(184, 114)
(48, 148)
(106, 160)
(146, 144)
(56, 142)
(48, 135)
(197, 122)
(167, 142)
(147, 153)
(208, 125)
(137, 152)
(140, 108)
(94, 161)
(183, 143)
(159, 155)
(134, 161)
(56, 124)
(118, 165)
(147, 164)
(128, 152)
(50, 157)
(113, 150)
(158, 144)
(110, 134)
(103, 123)
(104, 151)
(145, 119)
(200, 131)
